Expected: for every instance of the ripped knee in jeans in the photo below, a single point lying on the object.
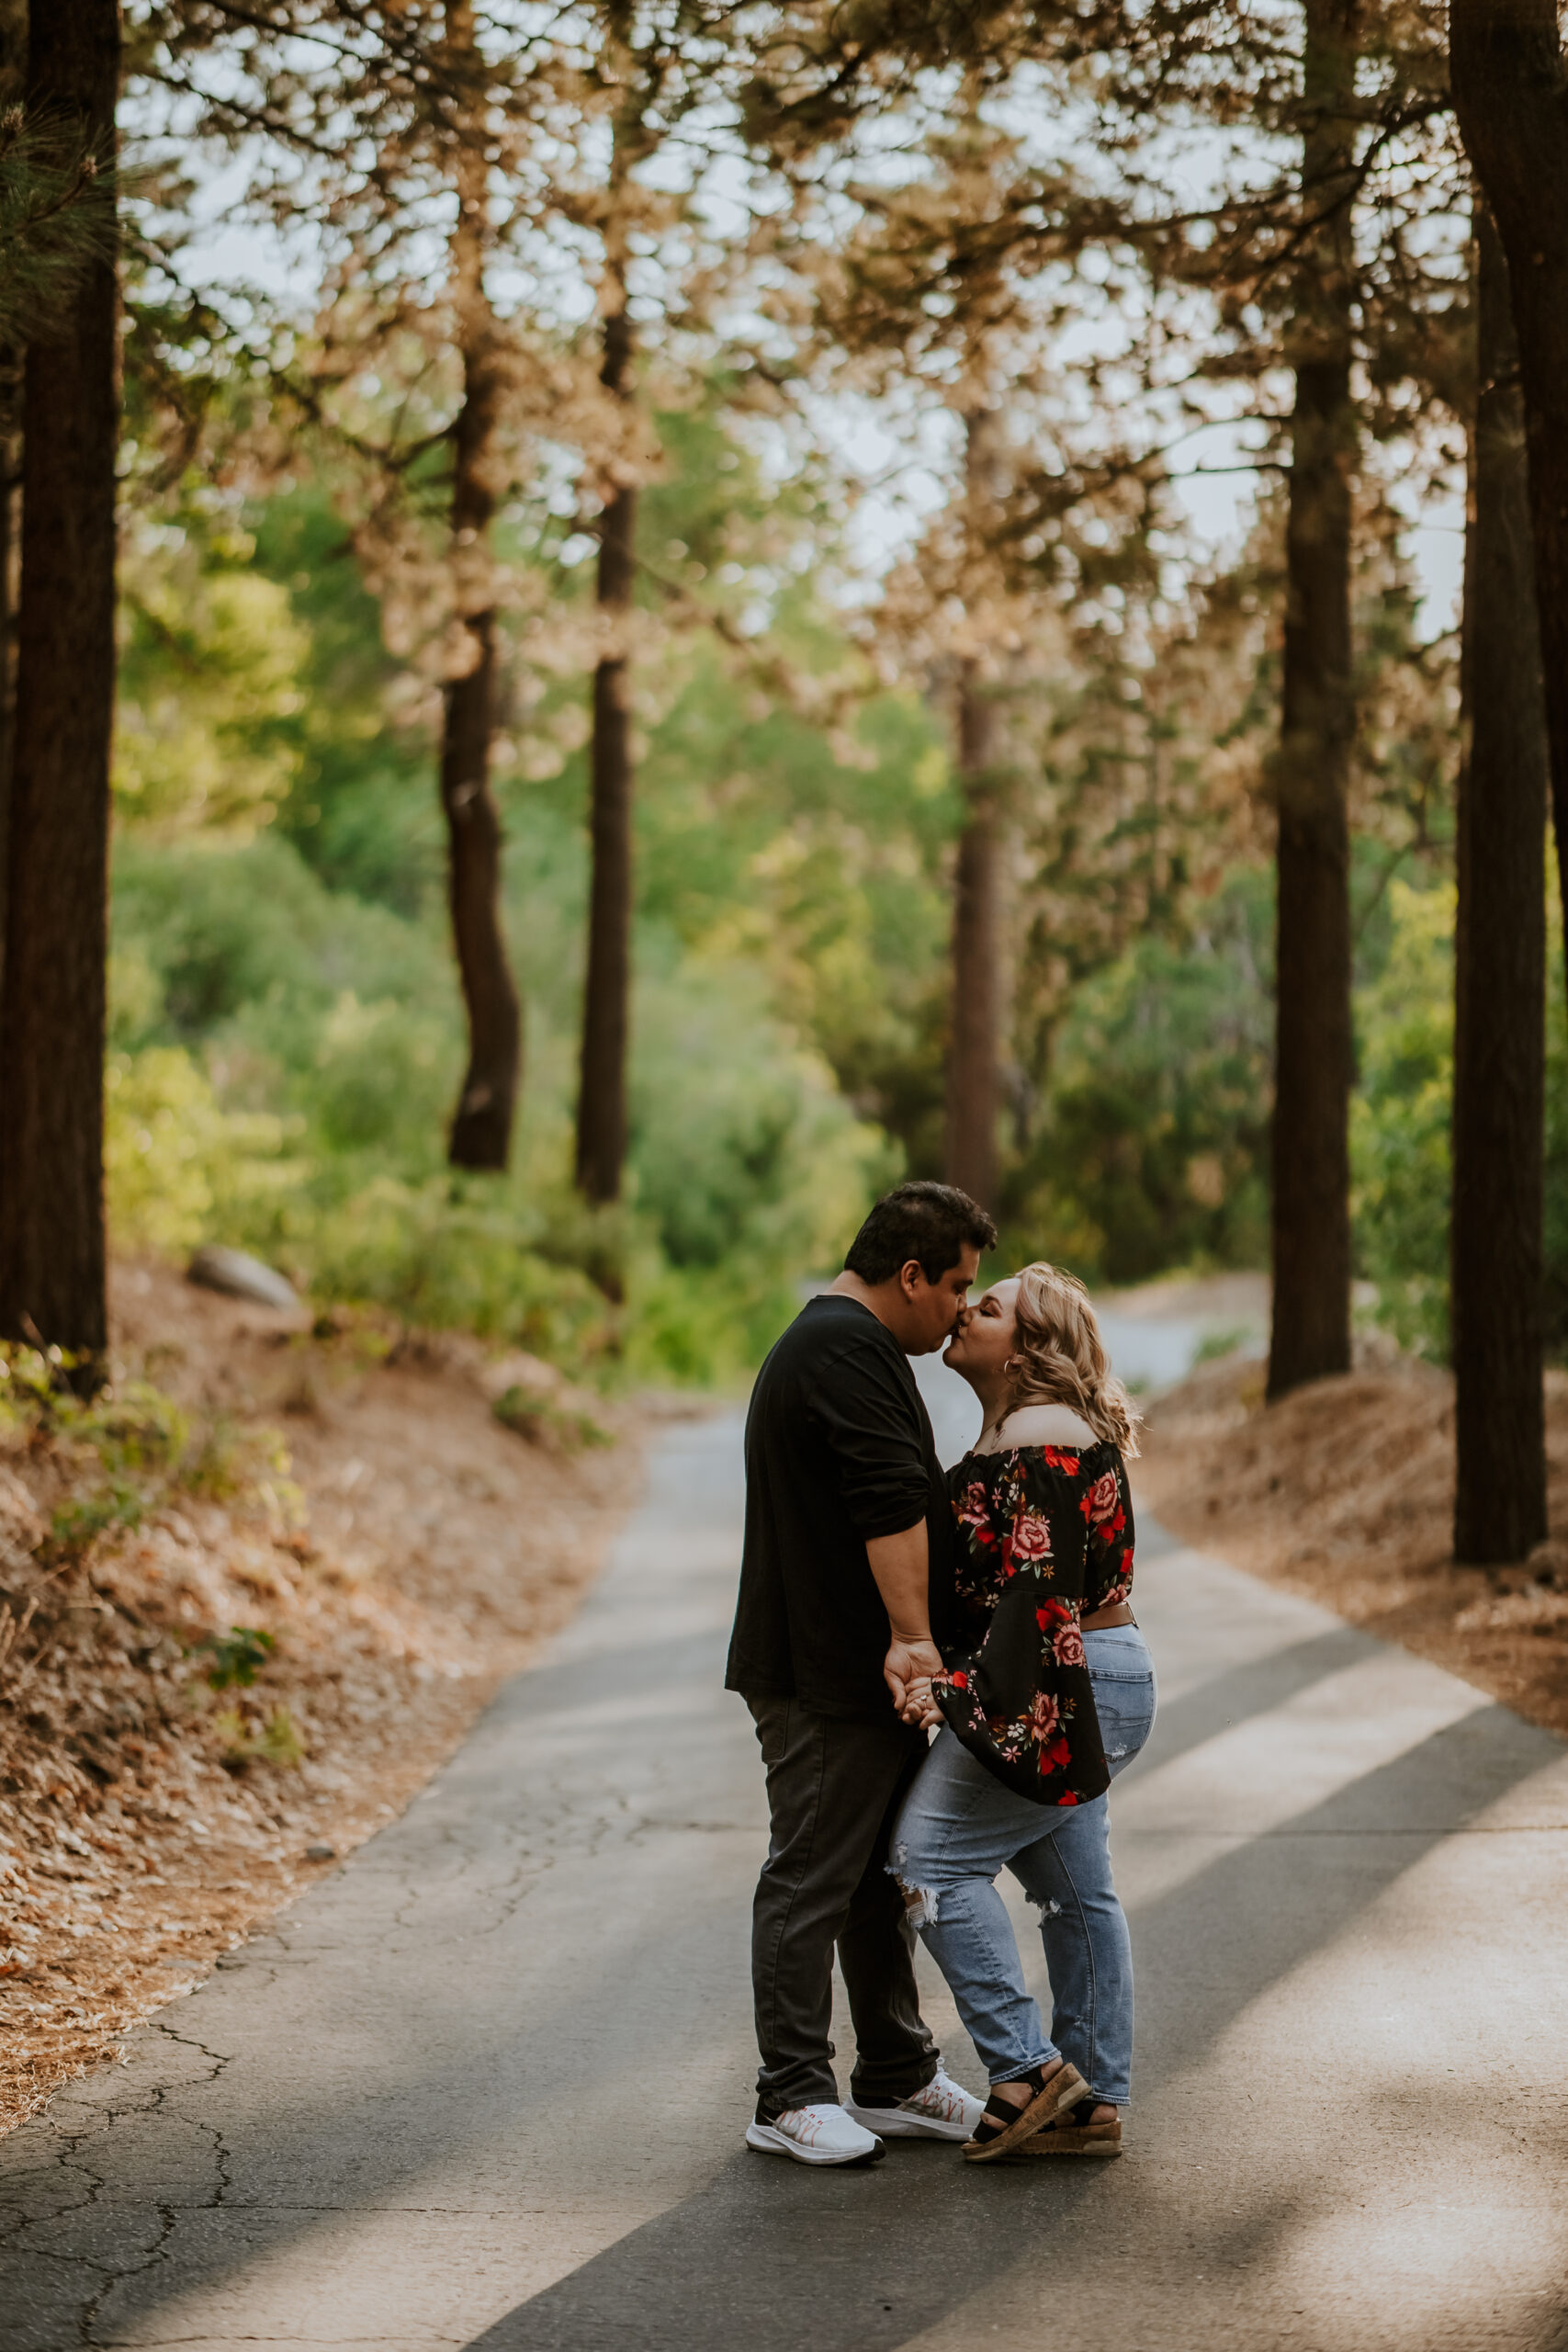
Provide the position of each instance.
(919, 1902)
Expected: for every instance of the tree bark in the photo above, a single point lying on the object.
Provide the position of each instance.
(602, 1097)
(52, 1006)
(972, 1159)
(1507, 71)
(13, 86)
(1310, 1219)
(10, 582)
(482, 1125)
(974, 1092)
(1499, 970)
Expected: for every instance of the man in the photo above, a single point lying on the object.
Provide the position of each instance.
(844, 1504)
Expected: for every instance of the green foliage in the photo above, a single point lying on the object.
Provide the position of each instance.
(132, 1448)
(288, 1036)
(231, 1462)
(278, 1740)
(178, 1165)
(238, 1656)
(361, 809)
(1151, 1154)
(1399, 1120)
(133, 1435)
(75, 1525)
(56, 217)
(286, 1032)
(210, 671)
(1401, 1164)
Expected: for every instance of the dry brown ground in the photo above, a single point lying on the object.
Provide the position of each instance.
(1345, 1492)
(406, 1552)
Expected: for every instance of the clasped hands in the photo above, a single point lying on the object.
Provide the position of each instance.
(908, 1670)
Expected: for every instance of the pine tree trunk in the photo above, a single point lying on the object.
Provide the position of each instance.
(602, 1097)
(13, 86)
(1507, 70)
(974, 1098)
(971, 1158)
(10, 552)
(482, 1125)
(1310, 1229)
(1499, 971)
(52, 1006)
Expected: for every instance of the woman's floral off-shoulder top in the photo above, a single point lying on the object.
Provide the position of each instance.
(1045, 1537)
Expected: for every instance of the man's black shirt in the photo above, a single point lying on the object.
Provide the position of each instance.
(838, 1448)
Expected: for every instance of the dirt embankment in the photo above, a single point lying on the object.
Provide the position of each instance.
(1344, 1492)
(247, 1606)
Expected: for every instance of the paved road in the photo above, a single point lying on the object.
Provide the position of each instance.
(485, 2086)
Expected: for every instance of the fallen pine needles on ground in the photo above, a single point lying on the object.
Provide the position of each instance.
(1344, 1492)
(250, 1599)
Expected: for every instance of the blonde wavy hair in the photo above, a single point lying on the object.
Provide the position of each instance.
(1059, 1357)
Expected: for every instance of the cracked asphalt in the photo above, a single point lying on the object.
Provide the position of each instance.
(485, 2086)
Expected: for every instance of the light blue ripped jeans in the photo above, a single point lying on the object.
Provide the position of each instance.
(960, 1827)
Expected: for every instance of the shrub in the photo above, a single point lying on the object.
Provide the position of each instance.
(1399, 1121)
(238, 1656)
(1151, 1152)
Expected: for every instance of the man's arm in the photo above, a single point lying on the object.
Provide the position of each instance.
(901, 1565)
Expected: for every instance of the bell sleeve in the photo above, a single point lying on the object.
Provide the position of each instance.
(1017, 1690)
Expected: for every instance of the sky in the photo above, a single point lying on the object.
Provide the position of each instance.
(898, 464)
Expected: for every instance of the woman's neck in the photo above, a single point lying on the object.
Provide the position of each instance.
(995, 1402)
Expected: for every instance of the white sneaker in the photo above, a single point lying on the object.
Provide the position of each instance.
(816, 2135)
(942, 2111)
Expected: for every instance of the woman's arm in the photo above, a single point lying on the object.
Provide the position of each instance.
(1019, 1698)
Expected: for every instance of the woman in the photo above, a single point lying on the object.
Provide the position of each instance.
(1048, 1692)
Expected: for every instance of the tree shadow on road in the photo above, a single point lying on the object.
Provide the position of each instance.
(766, 2250)
(771, 2253)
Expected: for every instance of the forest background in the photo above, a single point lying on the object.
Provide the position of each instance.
(287, 1029)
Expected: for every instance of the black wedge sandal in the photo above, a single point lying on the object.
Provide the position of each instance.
(1002, 2125)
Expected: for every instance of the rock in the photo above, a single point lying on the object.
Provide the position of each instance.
(21, 1528)
(1548, 1564)
(239, 1276)
(320, 1853)
(532, 1375)
(530, 1397)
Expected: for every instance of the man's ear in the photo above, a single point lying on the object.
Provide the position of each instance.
(910, 1274)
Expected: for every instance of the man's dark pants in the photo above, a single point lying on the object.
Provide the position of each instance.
(834, 1790)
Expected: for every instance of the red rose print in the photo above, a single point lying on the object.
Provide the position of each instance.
(1031, 1536)
(1102, 1498)
(1043, 1716)
(1067, 1646)
(1051, 1613)
(1068, 1462)
(1068, 1798)
(970, 1506)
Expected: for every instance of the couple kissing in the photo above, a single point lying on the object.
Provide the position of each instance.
(882, 1601)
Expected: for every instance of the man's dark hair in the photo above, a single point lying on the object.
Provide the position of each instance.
(933, 1223)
